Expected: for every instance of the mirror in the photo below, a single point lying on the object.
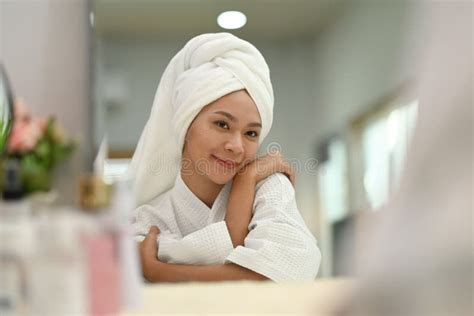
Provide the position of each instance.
(344, 112)
(6, 109)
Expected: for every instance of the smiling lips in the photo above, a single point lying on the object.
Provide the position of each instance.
(225, 163)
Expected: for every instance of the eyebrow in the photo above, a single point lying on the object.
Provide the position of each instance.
(234, 119)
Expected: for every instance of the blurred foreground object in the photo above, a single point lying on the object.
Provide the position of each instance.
(65, 261)
(254, 298)
(421, 260)
(93, 193)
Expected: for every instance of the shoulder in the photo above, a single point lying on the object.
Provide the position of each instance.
(158, 211)
(277, 181)
(276, 186)
(157, 202)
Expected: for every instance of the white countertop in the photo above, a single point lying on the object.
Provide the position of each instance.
(245, 297)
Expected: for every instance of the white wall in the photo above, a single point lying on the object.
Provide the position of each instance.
(45, 48)
(140, 63)
(362, 57)
(359, 59)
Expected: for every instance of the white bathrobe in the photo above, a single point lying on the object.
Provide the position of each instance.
(278, 246)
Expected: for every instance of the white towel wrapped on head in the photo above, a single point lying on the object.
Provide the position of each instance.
(209, 67)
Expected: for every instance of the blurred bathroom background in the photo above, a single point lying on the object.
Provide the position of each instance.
(344, 108)
(344, 75)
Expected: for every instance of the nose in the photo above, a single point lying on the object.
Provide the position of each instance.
(235, 145)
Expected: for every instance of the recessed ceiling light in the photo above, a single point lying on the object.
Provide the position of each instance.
(231, 20)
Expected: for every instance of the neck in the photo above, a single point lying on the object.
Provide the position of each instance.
(206, 190)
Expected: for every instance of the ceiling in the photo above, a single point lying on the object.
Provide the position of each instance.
(171, 19)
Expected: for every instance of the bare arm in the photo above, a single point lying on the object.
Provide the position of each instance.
(166, 272)
(239, 209)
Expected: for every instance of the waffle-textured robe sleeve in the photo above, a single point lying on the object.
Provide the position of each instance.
(206, 246)
(209, 245)
(279, 245)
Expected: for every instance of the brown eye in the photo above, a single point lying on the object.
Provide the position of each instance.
(252, 134)
(222, 124)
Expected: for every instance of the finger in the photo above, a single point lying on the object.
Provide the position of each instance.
(150, 240)
(154, 230)
(249, 161)
(293, 179)
(149, 249)
(290, 173)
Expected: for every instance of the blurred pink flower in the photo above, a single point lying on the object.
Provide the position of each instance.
(26, 130)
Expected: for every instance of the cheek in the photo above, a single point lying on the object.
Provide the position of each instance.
(251, 152)
(201, 141)
(207, 138)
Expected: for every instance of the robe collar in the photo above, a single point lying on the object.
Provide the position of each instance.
(194, 206)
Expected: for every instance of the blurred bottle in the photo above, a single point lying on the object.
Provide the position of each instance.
(115, 282)
(12, 185)
(57, 270)
(16, 244)
(122, 205)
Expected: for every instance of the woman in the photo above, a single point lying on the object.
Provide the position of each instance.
(209, 208)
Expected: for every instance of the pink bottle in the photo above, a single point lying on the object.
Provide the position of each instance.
(103, 273)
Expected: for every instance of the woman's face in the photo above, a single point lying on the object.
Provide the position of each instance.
(227, 129)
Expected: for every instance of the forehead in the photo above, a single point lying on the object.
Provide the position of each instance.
(239, 104)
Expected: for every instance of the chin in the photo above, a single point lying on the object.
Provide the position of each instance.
(221, 178)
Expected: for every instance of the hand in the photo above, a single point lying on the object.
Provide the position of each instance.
(265, 166)
(148, 250)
